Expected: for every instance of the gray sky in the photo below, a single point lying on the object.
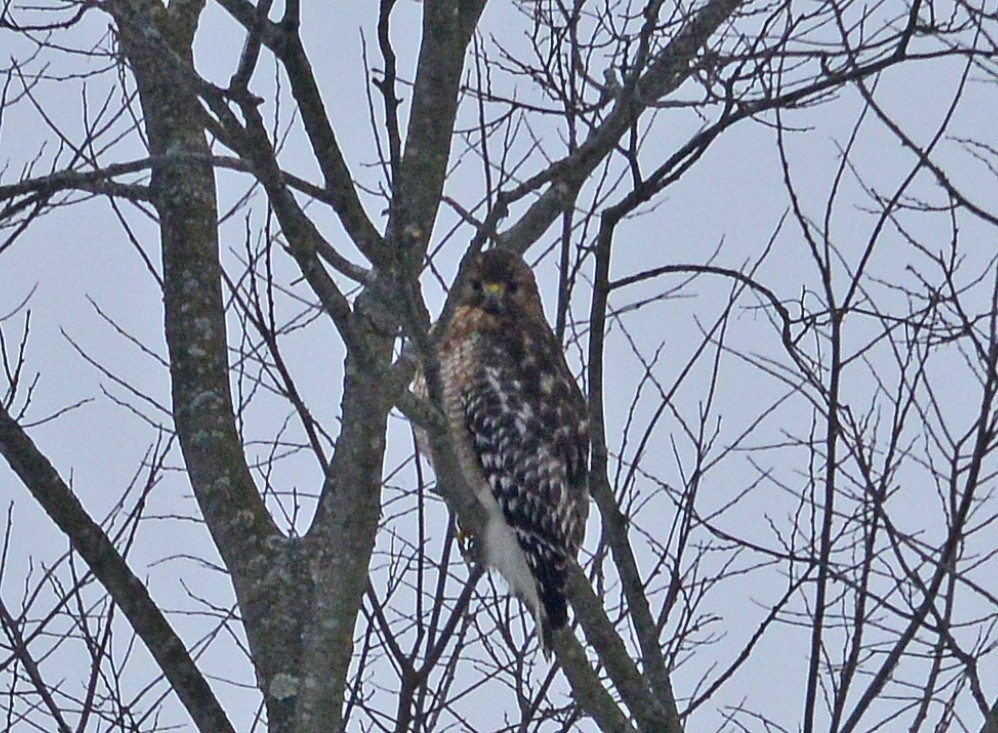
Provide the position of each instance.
(731, 202)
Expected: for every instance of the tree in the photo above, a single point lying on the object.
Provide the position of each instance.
(792, 480)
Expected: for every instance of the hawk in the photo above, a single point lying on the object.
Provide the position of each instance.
(520, 427)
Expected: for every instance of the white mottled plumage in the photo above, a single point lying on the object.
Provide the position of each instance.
(519, 425)
(503, 553)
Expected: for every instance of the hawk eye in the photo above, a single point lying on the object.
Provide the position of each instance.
(476, 285)
(512, 286)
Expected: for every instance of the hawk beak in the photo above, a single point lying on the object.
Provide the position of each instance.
(493, 293)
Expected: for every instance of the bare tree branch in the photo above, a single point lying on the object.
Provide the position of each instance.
(93, 545)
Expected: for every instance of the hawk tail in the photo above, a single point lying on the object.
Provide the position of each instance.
(551, 581)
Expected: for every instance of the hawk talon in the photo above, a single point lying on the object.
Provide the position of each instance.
(466, 544)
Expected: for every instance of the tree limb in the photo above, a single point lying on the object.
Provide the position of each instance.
(669, 68)
(93, 545)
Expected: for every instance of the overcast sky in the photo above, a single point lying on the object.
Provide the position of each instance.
(78, 260)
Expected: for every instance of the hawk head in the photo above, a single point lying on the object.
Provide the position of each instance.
(501, 284)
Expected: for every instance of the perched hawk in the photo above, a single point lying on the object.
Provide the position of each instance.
(519, 424)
